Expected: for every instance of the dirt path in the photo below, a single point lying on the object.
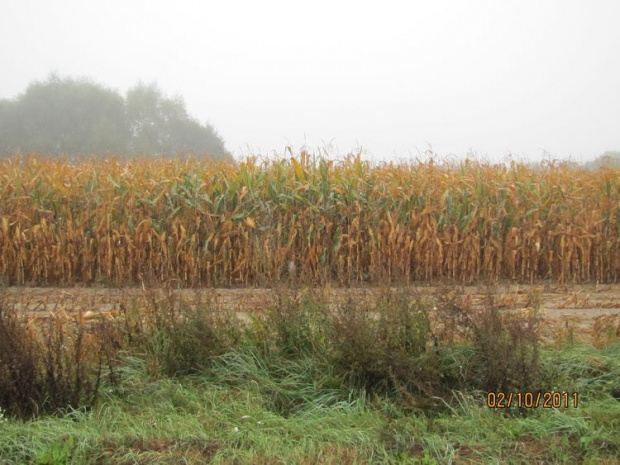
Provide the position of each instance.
(576, 308)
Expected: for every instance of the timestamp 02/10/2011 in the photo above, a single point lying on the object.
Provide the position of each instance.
(544, 399)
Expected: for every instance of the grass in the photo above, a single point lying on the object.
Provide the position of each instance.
(201, 419)
(187, 385)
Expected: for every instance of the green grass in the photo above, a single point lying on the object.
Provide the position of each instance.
(298, 384)
(229, 415)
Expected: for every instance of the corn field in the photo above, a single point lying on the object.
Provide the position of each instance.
(316, 221)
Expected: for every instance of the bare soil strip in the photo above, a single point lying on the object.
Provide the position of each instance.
(578, 309)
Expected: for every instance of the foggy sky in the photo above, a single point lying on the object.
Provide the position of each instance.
(393, 77)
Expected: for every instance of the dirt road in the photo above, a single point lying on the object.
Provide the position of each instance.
(565, 308)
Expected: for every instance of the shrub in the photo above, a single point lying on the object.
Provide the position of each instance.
(178, 337)
(47, 368)
(388, 346)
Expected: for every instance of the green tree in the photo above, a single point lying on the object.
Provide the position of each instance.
(161, 125)
(74, 117)
(66, 116)
(8, 127)
(610, 159)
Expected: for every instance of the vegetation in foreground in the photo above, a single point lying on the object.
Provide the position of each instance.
(401, 379)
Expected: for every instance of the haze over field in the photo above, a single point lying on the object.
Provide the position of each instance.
(392, 77)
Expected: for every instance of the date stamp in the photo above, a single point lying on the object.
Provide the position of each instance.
(544, 399)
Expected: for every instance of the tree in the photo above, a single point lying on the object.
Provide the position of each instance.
(79, 117)
(189, 136)
(66, 116)
(609, 159)
(161, 125)
(8, 127)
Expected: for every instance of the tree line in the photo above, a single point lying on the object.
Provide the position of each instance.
(65, 116)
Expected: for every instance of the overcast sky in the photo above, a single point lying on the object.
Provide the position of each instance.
(392, 77)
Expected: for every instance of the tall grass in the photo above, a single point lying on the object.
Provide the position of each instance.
(302, 384)
(317, 221)
(297, 350)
